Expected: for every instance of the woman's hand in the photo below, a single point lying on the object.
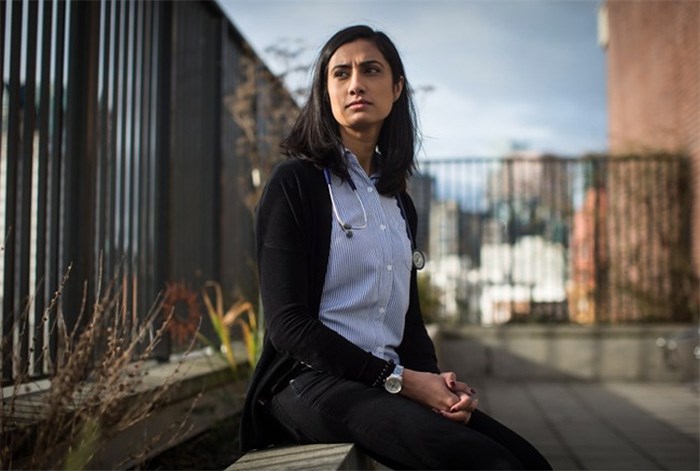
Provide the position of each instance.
(442, 393)
(462, 411)
(429, 389)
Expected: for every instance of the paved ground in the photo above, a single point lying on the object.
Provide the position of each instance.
(603, 426)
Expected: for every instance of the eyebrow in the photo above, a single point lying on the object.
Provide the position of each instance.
(363, 63)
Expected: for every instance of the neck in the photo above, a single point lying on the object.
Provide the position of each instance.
(363, 146)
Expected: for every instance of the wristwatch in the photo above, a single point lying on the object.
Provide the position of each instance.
(394, 382)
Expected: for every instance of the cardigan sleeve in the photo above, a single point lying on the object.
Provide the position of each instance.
(288, 271)
(416, 351)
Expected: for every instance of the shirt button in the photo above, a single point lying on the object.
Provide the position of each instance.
(389, 267)
(382, 227)
(370, 189)
(382, 310)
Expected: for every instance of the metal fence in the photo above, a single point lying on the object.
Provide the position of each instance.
(550, 239)
(133, 136)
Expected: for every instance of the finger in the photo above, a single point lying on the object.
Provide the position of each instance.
(450, 401)
(466, 388)
(443, 398)
(466, 403)
(463, 403)
(450, 379)
(460, 386)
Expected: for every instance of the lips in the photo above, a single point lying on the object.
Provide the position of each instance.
(358, 104)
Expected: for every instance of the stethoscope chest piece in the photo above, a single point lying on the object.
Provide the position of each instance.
(418, 259)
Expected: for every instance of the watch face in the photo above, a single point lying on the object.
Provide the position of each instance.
(393, 384)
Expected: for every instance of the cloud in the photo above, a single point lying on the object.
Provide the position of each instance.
(501, 71)
(456, 124)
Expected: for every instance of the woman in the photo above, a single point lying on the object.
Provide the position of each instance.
(346, 355)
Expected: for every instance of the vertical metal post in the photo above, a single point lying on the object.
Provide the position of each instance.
(23, 220)
(77, 225)
(159, 151)
(54, 264)
(10, 306)
(43, 297)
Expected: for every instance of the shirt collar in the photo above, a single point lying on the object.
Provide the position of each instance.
(352, 160)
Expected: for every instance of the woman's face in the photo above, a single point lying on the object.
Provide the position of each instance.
(360, 87)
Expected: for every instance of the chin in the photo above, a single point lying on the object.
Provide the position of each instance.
(363, 124)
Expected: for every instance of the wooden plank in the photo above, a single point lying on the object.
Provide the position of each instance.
(307, 457)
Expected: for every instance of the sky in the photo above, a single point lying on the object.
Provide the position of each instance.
(500, 72)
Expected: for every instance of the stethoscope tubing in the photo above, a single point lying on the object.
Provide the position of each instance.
(417, 257)
(347, 228)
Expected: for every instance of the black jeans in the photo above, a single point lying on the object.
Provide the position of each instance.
(320, 408)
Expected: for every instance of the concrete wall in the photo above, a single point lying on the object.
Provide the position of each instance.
(566, 352)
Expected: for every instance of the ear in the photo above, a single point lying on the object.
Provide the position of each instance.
(398, 88)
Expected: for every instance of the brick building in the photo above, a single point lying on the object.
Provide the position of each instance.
(653, 59)
(653, 50)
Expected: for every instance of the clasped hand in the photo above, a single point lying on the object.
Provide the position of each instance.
(450, 398)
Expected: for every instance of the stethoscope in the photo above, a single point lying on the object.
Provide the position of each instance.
(418, 257)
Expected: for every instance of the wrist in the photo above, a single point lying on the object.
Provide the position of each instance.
(394, 382)
(409, 381)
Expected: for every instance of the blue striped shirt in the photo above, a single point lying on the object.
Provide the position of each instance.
(366, 290)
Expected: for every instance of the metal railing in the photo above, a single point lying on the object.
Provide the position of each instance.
(133, 136)
(585, 240)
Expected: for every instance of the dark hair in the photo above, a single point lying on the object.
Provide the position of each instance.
(316, 136)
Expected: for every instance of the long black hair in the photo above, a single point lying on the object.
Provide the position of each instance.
(316, 136)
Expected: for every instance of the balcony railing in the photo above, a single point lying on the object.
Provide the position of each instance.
(585, 240)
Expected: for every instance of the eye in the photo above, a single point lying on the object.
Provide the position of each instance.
(372, 70)
(340, 73)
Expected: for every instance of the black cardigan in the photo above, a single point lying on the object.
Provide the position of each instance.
(293, 231)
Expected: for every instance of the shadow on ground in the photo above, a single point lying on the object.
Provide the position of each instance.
(591, 425)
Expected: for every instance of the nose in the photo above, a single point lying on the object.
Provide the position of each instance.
(356, 84)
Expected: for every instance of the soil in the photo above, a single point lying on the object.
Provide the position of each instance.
(215, 449)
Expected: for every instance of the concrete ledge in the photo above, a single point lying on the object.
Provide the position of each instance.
(307, 457)
(564, 352)
(204, 395)
(201, 393)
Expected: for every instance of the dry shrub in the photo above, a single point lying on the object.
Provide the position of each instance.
(98, 386)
